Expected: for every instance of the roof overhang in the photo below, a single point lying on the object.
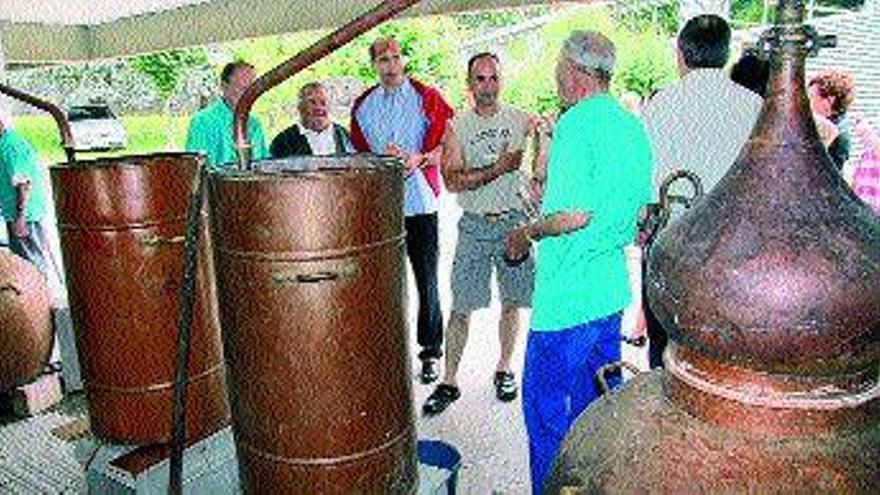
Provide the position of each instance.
(50, 31)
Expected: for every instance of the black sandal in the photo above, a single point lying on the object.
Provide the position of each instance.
(440, 399)
(505, 386)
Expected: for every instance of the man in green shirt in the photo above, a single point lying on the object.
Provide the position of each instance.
(210, 131)
(23, 199)
(598, 177)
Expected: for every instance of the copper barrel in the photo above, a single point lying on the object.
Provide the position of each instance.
(121, 223)
(309, 254)
(25, 321)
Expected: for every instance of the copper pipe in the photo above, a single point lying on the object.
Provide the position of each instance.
(54, 111)
(300, 61)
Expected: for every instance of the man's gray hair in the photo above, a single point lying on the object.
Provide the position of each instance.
(590, 51)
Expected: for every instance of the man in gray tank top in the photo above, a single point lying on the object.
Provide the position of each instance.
(483, 155)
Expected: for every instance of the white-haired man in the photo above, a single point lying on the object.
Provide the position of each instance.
(598, 177)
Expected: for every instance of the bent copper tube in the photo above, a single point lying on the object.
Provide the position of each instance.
(300, 61)
(54, 111)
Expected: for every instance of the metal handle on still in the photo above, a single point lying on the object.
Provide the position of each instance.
(327, 272)
(667, 200)
(600, 373)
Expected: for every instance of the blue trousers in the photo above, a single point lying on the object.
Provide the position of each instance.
(559, 383)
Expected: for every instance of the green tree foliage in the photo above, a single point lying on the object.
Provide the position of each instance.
(749, 11)
(648, 64)
(428, 46)
(164, 69)
(645, 62)
(663, 18)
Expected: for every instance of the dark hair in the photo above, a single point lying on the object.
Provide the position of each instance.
(231, 68)
(837, 85)
(751, 72)
(705, 42)
(478, 56)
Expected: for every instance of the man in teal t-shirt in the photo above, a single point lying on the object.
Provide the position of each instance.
(23, 199)
(210, 131)
(598, 177)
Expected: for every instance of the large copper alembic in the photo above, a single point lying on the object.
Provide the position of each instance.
(25, 321)
(121, 223)
(770, 291)
(311, 276)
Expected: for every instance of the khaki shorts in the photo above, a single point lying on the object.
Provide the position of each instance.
(481, 247)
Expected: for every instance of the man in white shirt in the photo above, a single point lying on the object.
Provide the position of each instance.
(700, 122)
(313, 134)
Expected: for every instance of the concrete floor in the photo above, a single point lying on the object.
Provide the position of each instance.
(489, 434)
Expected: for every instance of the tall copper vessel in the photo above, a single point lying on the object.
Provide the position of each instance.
(769, 289)
(25, 321)
(310, 274)
(121, 223)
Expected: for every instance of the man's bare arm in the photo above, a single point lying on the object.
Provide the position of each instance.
(558, 224)
(19, 225)
(519, 239)
(458, 178)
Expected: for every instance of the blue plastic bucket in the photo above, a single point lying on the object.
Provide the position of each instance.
(442, 456)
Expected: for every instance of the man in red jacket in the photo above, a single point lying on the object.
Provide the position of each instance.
(401, 116)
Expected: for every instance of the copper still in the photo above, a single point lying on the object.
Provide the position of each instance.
(121, 224)
(310, 274)
(25, 321)
(309, 254)
(770, 291)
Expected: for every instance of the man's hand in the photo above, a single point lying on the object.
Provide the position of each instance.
(411, 161)
(518, 243)
(640, 326)
(507, 161)
(19, 227)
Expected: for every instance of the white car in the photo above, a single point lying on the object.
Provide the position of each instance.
(94, 127)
